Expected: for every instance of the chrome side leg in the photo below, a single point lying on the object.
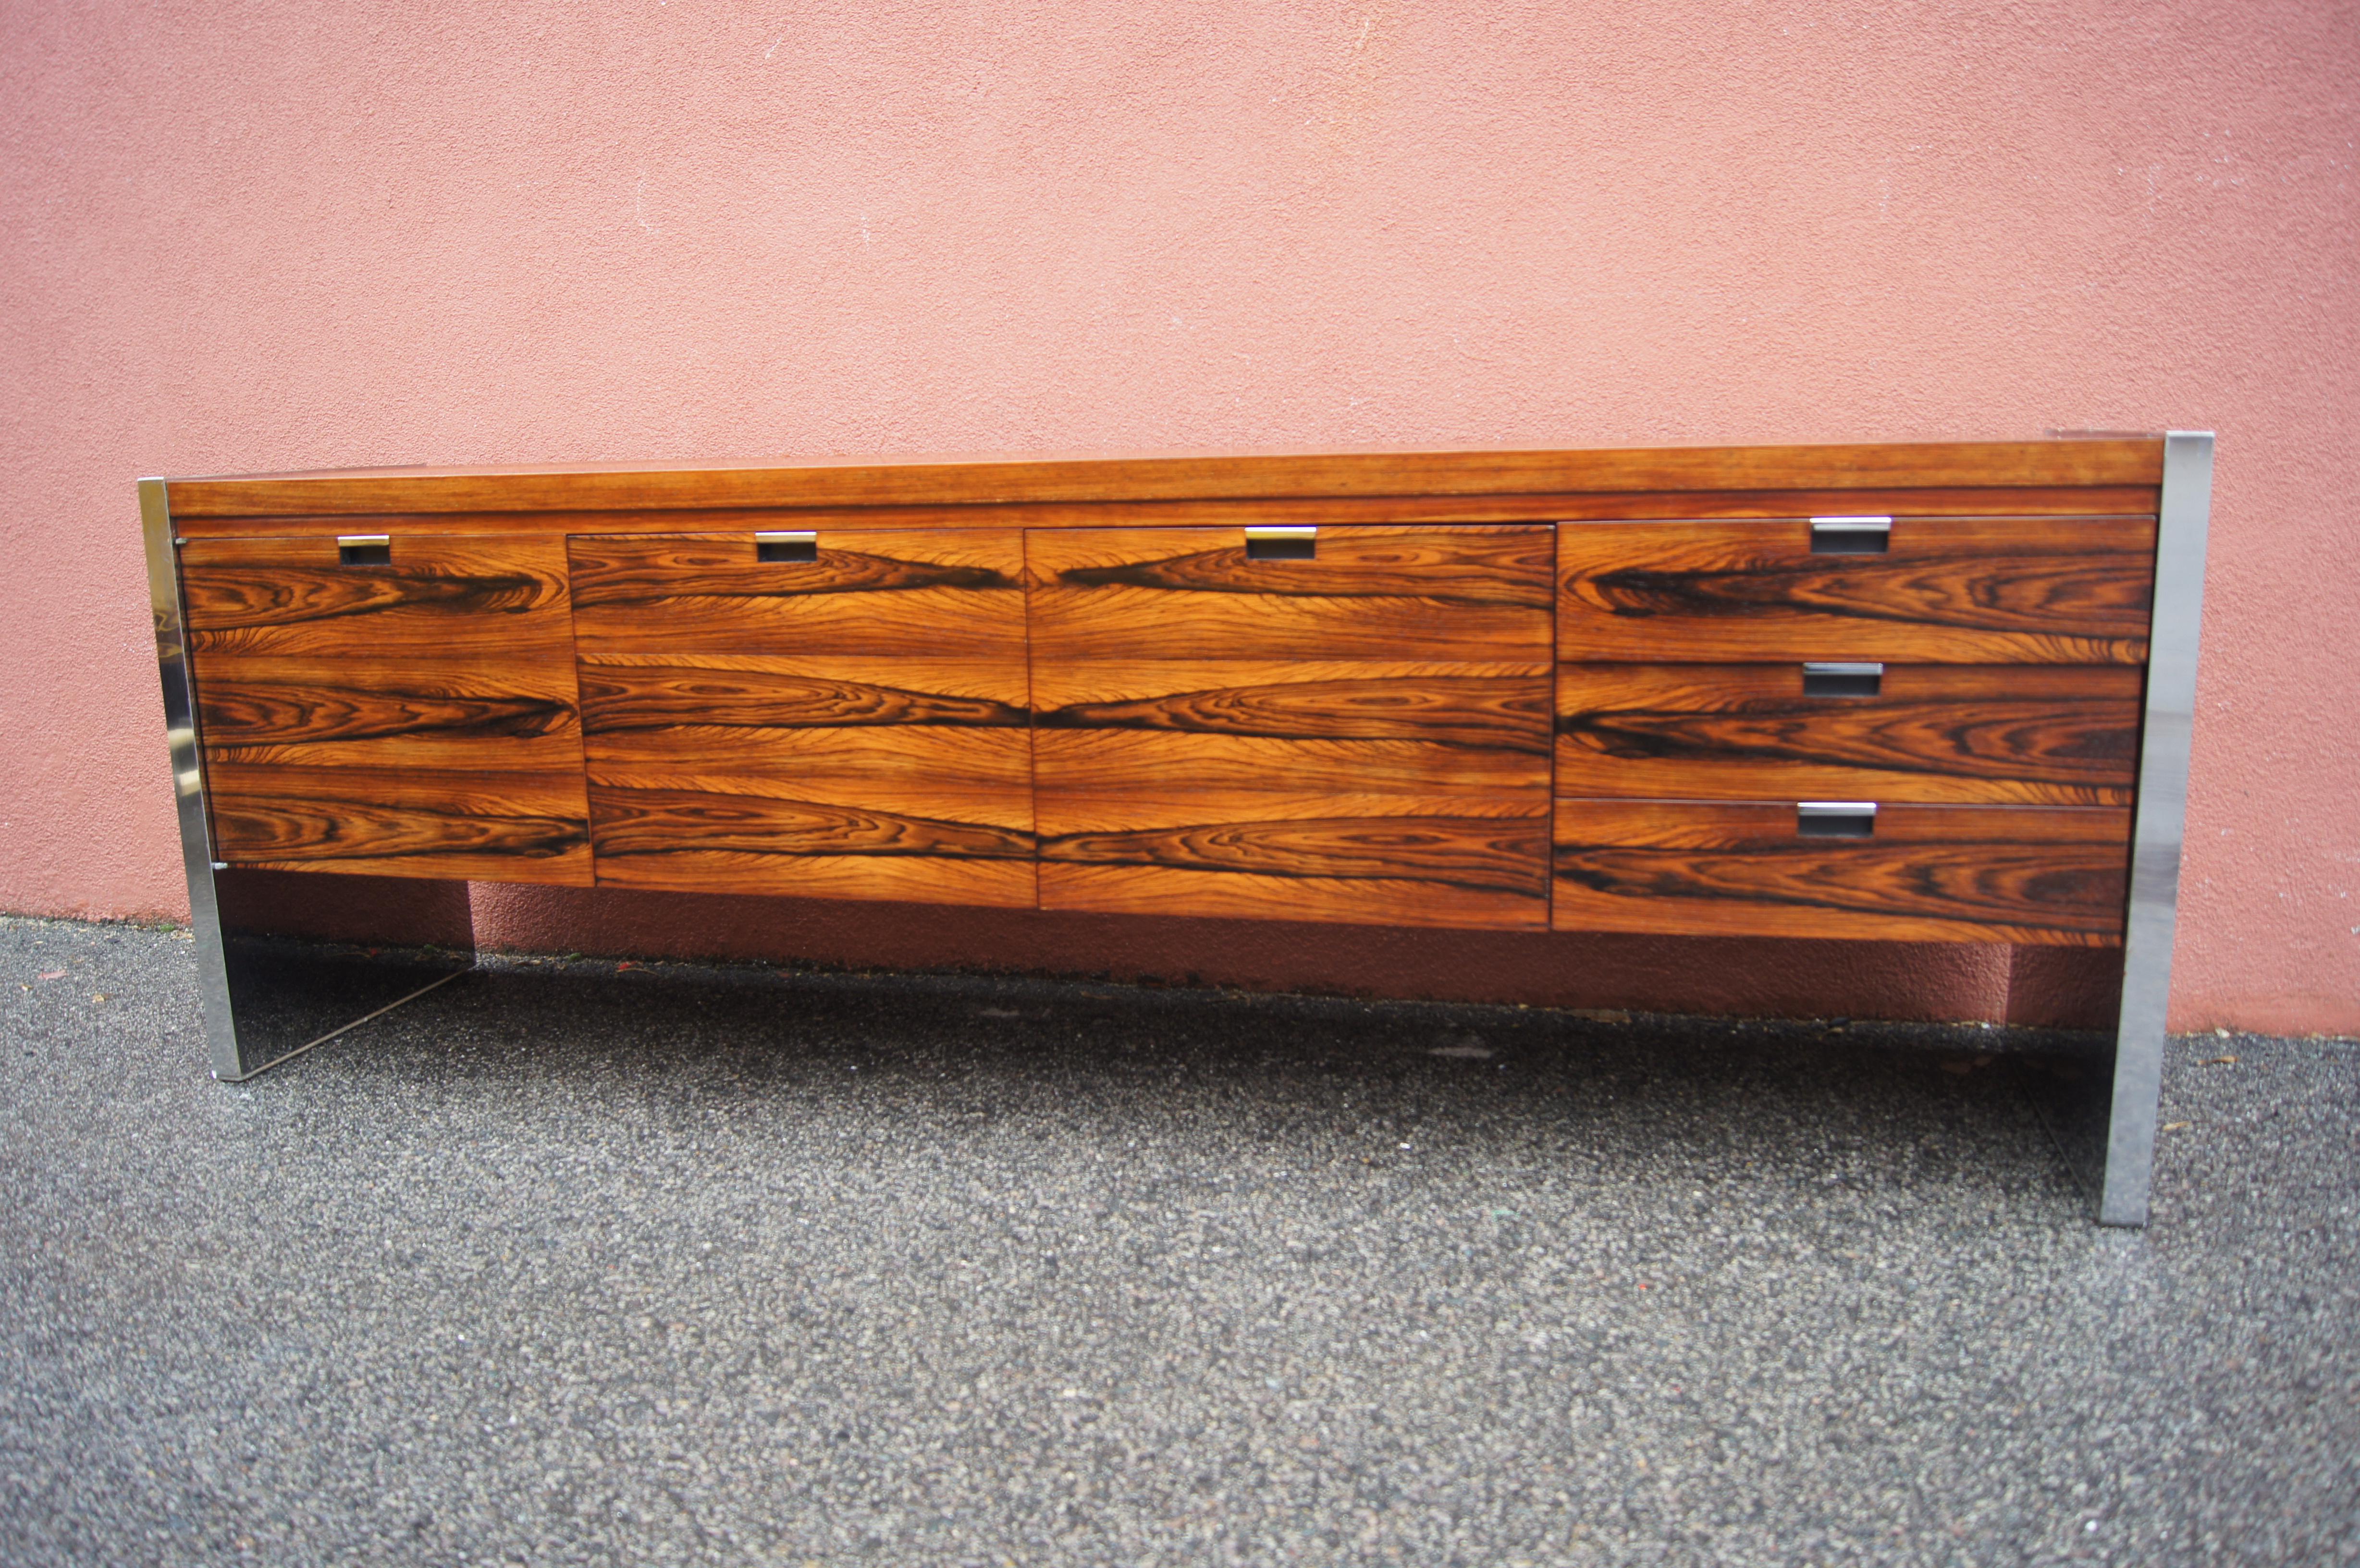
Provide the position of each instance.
(269, 994)
(2184, 515)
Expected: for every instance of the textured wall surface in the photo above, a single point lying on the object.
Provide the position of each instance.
(257, 235)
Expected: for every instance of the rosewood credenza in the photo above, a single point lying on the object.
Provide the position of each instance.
(1919, 692)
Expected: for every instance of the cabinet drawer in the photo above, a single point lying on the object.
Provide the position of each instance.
(410, 712)
(1473, 592)
(847, 720)
(1957, 733)
(1406, 794)
(1348, 725)
(2009, 874)
(929, 594)
(1933, 590)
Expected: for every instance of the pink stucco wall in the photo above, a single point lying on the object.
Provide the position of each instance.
(284, 234)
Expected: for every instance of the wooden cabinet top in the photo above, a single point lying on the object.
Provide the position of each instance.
(2110, 463)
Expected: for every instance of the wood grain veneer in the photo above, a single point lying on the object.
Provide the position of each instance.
(2032, 734)
(416, 719)
(1949, 590)
(2031, 875)
(1227, 512)
(1064, 681)
(1220, 736)
(1164, 478)
(1434, 594)
(853, 726)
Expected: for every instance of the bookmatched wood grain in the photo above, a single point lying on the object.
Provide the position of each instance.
(1977, 591)
(415, 719)
(855, 726)
(1959, 733)
(1365, 737)
(1362, 736)
(1187, 477)
(2029, 875)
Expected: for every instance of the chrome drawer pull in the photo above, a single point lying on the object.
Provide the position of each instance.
(1835, 819)
(793, 545)
(1282, 543)
(364, 550)
(1826, 679)
(1851, 536)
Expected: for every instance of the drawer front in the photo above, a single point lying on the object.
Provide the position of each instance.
(1939, 590)
(1352, 727)
(849, 721)
(1398, 794)
(1431, 594)
(1933, 733)
(408, 716)
(2008, 874)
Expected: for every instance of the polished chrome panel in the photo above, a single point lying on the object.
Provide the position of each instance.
(188, 775)
(263, 999)
(2156, 833)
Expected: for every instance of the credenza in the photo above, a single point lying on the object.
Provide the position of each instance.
(1905, 692)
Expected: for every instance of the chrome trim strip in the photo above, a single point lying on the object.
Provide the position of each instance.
(788, 536)
(364, 538)
(1835, 808)
(188, 775)
(1822, 667)
(2183, 519)
(1281, 531)
(1854, 525)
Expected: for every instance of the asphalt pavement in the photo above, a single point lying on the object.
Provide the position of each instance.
(571, 1264)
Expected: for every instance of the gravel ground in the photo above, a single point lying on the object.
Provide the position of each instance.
(568, 1263)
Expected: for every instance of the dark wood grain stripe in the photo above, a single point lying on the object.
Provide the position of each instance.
(278, 829)
(1491, 855)
(1482, 713)
(253, 713)
(2038, 593)
(654, 822)
(2064, 888)
(2092, 743)
(2025, 874)
(2040, 590)
(642, 697)
(230, 598)
(658, 571)
(1484, 569)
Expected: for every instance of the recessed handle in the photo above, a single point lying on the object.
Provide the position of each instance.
(787, 545)
(1282, 543)
(1835, 819)
(364, 550)
(1826, 679)
(1851, 536)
